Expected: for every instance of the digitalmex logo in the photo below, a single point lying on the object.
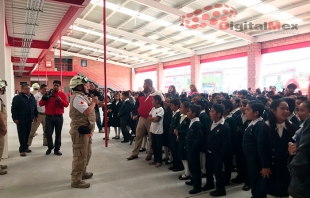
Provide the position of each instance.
(221, 15)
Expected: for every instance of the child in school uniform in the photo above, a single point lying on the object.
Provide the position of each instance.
(167, 121)
(181, 132)
(242, 124)
(217, 149)
(117, 103)
(231, 121)
(255, 147)
(205, 120)
(175, 121)
(193, 144)
(303, 114)
(109, 116)
(156, 117)
(292, 106)
(281, 132)
(236, 112)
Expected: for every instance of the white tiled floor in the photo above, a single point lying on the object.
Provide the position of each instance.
(41, 176)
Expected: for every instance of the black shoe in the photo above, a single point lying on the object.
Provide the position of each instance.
(246, 188)
(237, 180)
(57, 153)
(189, 183)
(125, 141)
(227, 183)
(104, 138)
(48, 151)
(114, 138)
(194, 191)
(28, 151)
(184, 177)
(178, 169)
(218, 193)
(165, 159)
(131, 140)
(117, 138)
(208, 187)
(142, 150)
(168, 162)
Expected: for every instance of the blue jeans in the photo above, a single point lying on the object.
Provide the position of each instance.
(98, 120)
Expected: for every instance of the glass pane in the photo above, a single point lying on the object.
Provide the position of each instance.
(180, 77)
(140, 77)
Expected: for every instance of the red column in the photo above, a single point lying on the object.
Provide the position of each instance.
(254, 64)
(195, 72)
(105, 74)
(160, 76)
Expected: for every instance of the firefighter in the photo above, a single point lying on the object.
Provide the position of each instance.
(83, 120)
(3, 125)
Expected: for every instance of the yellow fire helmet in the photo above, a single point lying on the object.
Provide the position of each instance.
(78, 80)
(3, 83)
(36, 86)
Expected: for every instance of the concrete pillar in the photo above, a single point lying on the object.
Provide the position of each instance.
(6, 72)
(254, 64)
(195, 72)
(160, 76)
(132, 79)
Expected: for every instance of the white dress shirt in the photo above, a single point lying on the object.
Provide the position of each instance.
(234, 111)
(243, 117)
(38, 96)
(280, 128)
(253, 122)
(215, 124)
(193, 120)
(290, 116)
(182, 118)
(175, 112)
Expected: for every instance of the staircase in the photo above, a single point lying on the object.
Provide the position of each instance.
(112, 85)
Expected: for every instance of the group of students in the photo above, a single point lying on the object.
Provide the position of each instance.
(207, 136)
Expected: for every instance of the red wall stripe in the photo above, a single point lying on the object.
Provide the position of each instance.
(286, 47)
(177, 65)
(220, 58)
(145, 70)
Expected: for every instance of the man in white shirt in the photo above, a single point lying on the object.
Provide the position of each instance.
(41, 116)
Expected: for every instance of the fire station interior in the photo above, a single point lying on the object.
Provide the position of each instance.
(217, 45)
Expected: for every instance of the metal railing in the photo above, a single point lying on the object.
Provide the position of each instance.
(65, 67)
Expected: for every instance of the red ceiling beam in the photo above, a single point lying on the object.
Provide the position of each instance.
(17, 42)
(6, 34)
(75, 3)
(29, 60)
(72, 14)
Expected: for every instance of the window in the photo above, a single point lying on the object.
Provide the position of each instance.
(140, 77)
(66, 64)
(180, 77)
(84, 63)
(224, 76)
(281, 68)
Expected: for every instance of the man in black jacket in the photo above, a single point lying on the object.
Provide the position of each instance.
(124, 114)
(24, 112)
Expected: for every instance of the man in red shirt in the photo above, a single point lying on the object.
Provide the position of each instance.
(143, 106)
(54, 101)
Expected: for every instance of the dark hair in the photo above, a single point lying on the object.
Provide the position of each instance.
(168, 95)
(176, 102)
(203, 95)
(194, 87)
(126, 94)
(44, 85)
(236, 99)
(245, 102)
(184, 100)
(137, 93)
(201, 104)
(157, 98)
(243, 92)
(262, 99)
(174, 90)
(186, 104)
(228, 105)
(302, 98)
(149, 82)
(225, 95)
(195, 109)
(257, 106)
(272, 119)
(57, 82)
(291, 103)
(292, 86)
(307, 103)
(25, 85)
(218, 109)
(258, 91)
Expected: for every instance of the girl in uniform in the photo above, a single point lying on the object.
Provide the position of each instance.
(110, 116)
(116, 105)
